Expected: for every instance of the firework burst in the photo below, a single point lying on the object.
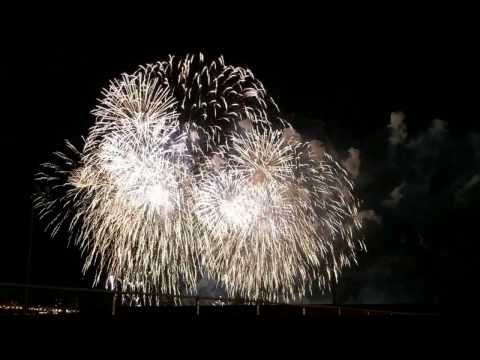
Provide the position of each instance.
(212, 98)
(129, 197)
(183, 172)
(277, 219)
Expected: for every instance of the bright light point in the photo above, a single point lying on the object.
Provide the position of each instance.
(158, 196)
(235, 212)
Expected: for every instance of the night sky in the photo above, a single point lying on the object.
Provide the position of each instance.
(342, 92)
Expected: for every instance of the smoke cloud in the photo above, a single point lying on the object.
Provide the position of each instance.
(398, 128)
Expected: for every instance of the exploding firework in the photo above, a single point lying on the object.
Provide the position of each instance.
(212, 98)
(184, 172)
(125, 198)
(277, 219)
(129, 198)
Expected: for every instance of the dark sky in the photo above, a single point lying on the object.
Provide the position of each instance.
(339, 90)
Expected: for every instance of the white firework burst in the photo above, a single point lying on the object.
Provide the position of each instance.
(183, 171)
(276, 220)
(130, 196)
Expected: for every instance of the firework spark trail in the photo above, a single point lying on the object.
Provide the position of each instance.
(276, 220)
